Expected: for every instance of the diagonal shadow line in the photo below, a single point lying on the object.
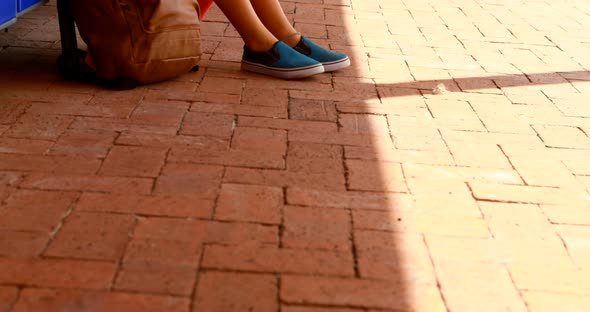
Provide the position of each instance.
(484, 82)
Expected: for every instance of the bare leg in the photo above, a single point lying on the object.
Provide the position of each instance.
(273, 17)
(252, 30)
(260, 23)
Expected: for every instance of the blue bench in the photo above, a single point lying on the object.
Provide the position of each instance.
(10, 10)
(71, 57)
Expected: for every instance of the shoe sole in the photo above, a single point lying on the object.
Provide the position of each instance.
(336, 65)
(283, 73)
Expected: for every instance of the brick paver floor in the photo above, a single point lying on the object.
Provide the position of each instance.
(446, 170)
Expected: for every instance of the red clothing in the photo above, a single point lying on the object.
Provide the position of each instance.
(204, 5)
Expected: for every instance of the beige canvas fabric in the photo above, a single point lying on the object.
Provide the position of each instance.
(144, 40)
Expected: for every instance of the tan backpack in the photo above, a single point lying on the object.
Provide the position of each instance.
(143, 41)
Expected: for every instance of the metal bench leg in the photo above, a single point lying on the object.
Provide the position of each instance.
(67, 26)
(69, 61)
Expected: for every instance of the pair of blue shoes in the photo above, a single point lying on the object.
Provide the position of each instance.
(304, 60)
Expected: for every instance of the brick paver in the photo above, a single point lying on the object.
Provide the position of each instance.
(445, 170)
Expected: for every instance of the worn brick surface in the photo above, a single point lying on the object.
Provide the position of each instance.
(445, 170)
(249, 203)
(217, 291)
(357, 292)
(361, 176)
(170, 281)
(12, 109)
(403, 259)
(162, 251)
(24, 146)
(84, 142)
(233, 157)
(304, 109)
(121, 125)
(567, 214)
(545, 301)
(133, 162)
(576, 239)
(563, 280)
(517, 220)
(198, 180)
(272, 259)
(500, 292)
(37, 126)
(350, 200)
(35, 210)
(160, 112)
(159, 266)
(290, 308)
(527, 194)
(316, 228)
(188, 205)
(58, 300)
(57, 273)
(553, 136)
(288, 124)
(8, 296)
(154, 140)
(92, 236)
(47, 163)
(323, 178)
(206, 231)
(258, 139)
(217, 125)
(16, 243)
(118, 185)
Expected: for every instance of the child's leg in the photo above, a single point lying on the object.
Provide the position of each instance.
(273, 17)
(263, 52)
(243, 17)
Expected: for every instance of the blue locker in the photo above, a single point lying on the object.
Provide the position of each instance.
(7, 12)
(23, 5)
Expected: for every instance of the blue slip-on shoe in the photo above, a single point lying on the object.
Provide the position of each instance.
(331, 60)
(280, 61)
